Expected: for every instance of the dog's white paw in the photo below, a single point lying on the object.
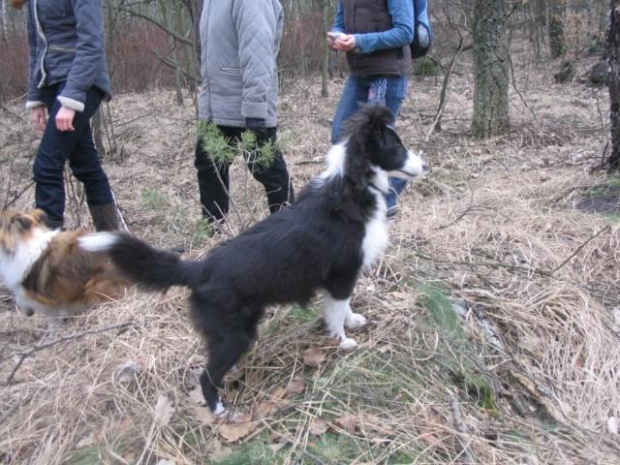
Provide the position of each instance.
(348, 344)
(354, 320)
(220, 411)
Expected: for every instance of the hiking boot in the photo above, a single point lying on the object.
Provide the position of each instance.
(106, 217)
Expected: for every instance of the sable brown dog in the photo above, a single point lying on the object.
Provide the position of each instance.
(48, 271)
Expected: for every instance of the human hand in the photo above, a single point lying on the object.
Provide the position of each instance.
(64, 119)
(257, 126)
(38, 118)
(345, 43)
(332, 37)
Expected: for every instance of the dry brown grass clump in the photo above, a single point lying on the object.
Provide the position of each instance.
(494, 322)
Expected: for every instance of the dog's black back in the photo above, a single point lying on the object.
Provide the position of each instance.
(314, 244)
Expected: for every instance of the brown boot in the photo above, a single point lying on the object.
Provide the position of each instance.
(106, 217)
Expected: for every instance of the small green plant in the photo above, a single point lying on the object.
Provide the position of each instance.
(253, 453)
(440, 308)
(85, 456)
(424, 67)
(152, 198)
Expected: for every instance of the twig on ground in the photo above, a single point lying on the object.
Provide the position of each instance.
(8, 203)
(13, 114)
(460, 426)
(24, 355)
(578, 249)
(462, 215)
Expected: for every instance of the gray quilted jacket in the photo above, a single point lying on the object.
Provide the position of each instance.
(240, 41)
(65, 38)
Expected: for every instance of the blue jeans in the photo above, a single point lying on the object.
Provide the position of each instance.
(357, 90)
(76, 146)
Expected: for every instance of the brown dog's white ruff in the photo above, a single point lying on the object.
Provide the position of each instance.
(48, 272)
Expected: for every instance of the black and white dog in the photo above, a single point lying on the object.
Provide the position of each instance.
(337, 226)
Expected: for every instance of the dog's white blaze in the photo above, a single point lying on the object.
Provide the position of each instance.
(414, 165)
(97, 242)
(376, 238)
(15, 267)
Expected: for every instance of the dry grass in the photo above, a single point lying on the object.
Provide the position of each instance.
(526, 375)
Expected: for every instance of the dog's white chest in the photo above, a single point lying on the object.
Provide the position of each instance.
(376, 238)
(15, 267)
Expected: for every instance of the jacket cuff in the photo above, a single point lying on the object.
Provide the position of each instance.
(30, 104)
(71, 103)
(254, 110)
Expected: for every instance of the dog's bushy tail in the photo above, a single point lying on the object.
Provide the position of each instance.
(140, 263)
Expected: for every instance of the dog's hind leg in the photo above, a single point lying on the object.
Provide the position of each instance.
(336, 312)
(225, 349)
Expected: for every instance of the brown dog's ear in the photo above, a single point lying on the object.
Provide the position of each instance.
(39, 215)
(23, 222)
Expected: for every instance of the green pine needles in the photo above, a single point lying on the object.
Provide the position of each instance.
(222, 151)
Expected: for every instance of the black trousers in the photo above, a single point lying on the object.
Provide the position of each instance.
(274, 178)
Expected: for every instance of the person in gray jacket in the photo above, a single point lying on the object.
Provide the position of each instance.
(68, 79)
(240, 41)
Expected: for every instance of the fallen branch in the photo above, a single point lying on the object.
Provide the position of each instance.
(24, 355)
(462, 215)
(460, 426)
(578, 249)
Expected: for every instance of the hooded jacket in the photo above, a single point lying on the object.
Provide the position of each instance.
(66, 44)
(240, 41)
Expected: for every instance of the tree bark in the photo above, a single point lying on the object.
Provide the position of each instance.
(613, 59)
(490, 69)
(557, 44)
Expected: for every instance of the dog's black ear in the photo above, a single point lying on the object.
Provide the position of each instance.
(366, 130)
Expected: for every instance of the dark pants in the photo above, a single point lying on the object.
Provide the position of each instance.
(76, 146)
(213, 197)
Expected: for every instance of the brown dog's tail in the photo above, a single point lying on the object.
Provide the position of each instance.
(140, 263)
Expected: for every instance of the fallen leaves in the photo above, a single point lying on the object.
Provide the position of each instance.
(242, 427)
(163, 411)
(296, 387)
(348, 423)
(314, 357)
(318, 426)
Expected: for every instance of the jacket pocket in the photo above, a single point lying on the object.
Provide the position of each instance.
(53, 9)
(233, 71)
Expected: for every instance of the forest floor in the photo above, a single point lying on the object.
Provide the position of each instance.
(494, 316)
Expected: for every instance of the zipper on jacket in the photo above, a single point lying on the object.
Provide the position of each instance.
(35, 12)
(206, 78)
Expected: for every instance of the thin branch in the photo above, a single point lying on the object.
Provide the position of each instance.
(137, 14)
(460, 426)
(462, 215)
(578, 249)
(13, 114)
(24, 355)
(17, 196)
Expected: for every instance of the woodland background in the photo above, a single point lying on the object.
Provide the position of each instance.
(494, 333)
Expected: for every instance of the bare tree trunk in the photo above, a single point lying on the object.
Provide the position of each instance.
(557, 44)
(5, 21)
(490, 69)
(169, 22)
(325, 5)
(613, 58)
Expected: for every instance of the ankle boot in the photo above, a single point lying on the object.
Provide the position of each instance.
(54, 224)
(106, 217)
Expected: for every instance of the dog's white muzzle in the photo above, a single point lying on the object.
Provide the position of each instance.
(414, 167)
